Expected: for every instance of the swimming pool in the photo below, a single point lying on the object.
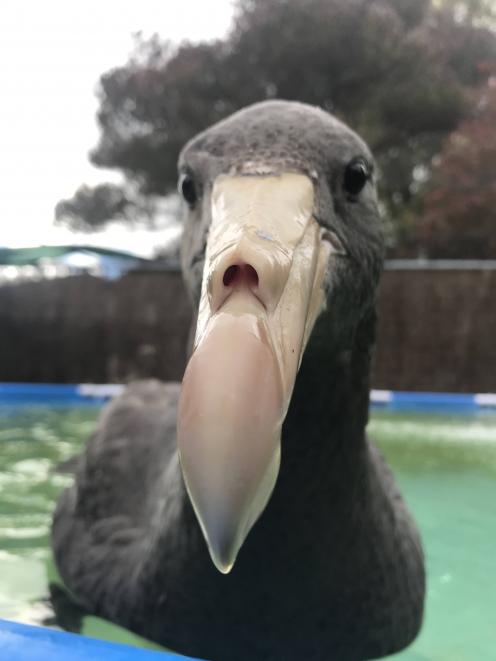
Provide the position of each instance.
(446, 466)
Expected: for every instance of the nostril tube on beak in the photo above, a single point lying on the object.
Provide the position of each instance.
(238, 275)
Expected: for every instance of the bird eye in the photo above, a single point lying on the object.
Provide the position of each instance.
(356, 176)
(187, 188)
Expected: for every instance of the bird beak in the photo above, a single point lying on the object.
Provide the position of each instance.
(261, 294)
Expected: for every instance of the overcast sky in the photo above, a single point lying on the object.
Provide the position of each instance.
(51, 55)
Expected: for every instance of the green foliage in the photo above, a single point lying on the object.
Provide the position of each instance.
(396, 70)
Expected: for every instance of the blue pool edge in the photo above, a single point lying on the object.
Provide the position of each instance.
(97, 394)
(24, 642)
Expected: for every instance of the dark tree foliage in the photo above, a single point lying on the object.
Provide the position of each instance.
(396, 70)
(459, 216)
(91, 208)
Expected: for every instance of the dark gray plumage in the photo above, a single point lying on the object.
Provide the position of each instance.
(334, 567)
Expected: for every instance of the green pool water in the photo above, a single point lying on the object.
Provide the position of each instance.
(446, 467)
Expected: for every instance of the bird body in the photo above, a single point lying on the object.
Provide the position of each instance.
(330, 566)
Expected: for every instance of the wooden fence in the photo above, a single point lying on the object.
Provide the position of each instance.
(436, 331)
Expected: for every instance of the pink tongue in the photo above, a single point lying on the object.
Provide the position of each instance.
(229, 421)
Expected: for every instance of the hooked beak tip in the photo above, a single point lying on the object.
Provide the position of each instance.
(223, 545)
(223, 566)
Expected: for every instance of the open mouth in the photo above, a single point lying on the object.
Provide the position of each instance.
(262, 291)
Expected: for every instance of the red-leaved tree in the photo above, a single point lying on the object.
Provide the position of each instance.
(459, 218)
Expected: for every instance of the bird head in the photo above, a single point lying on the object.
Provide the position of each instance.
(282, 249)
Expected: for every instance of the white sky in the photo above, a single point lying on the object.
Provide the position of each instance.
(52, 53)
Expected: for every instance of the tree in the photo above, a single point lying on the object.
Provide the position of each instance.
(396, 70)
(459, 211)
(472, 12)
(90, 208)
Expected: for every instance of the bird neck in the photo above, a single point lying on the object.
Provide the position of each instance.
(326, 465)
(329, 406)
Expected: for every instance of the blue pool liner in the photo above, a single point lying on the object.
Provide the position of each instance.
(23, 642)
(432, 402)
(90, 394)
(57, 394)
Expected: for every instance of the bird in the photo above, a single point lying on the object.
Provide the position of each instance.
(245, 514)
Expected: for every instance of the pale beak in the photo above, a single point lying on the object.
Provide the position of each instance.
(261, 294)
